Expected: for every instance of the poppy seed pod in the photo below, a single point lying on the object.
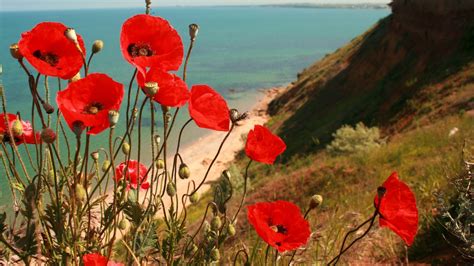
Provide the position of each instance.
(113, 118)
(80, 193)
(315, 201)
(48, 108)
(17, 128)
(234, 115)
(381, 191)
(126, 148)
(105, 165)
(193, 31)
(95, 156)
(151, 88)
(78, 128)
(215, 255)
(171, 189)
(70, 33)
(194, 198)
(184, 172)
(15, 51)
(160, 164)
(216, 223)
(48, 135)
(97, 46)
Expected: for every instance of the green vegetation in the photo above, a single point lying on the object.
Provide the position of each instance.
(350, 140)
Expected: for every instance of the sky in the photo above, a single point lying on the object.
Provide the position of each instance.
(11, 5)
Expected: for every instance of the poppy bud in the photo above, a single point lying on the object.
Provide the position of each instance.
(215, 255)
(48, 108)
(51, 176)
(193, 31)
(160, 164)
(171, 189)
(231, 229)
(95, 156)
(97, 46)
(71, 34)
(315, 201)
(113, 118)
(381, 191)
(126, 148)
(226, 174)
(216, 223)
(17, 128)
(105, 165)
(151, 88)
(78, 128)
(123, 224)
(234, 115)
(75, 77)
(80, 193)
(48, 135)
(184, 172)
(206, 227)
(15, 51)
(194, 198)
(157, 140)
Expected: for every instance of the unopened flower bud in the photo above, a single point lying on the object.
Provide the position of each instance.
(48, 108)
(126, 148)
(157, 140)
(95, 155)
(113, 118)
(226, 174)
(80, 193)
(17, 128)
(15, 51)
(216, 223)
(123, 224)
(206, 227)
(231, 229)
(171, 189)
(193, 31)
(151, 88)
(71, 34)
(315, 201)
(234, 115)
(105, 165)
(97, 46)
(48, 135)
(194, 198)
(184, 172)
(215, 255)
(160, 164)
(75, 77)
(78, 127)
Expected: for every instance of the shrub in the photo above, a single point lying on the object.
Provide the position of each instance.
(349, 140)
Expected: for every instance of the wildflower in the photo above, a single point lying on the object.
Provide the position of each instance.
(89, 101)
(95, 259)
(172, 91)
(132, 172)
(280, 224)
(50, 52)
(263, 146)
(149, 41)
(398, 209)
(22, 130)
(208, 109)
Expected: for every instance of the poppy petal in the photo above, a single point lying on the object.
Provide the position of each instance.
(398, 209)
(208, 108)
(263, 146)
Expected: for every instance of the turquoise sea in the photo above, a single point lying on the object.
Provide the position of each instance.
(238, 50)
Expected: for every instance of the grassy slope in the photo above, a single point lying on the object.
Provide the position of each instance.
(416, 92)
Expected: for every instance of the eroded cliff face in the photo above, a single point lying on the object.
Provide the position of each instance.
(413, 66)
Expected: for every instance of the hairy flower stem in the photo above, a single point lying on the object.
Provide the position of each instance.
(245, 191)
(305, 217)
(129, 97)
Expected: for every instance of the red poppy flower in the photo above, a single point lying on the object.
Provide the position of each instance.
(89, 100)
(398, 209)
(95, 259)
(208, 109)
(148, 41)
(263, 146)
(172, 91)
(27, 136)
(50, 52)
(280, 224)
(132, 171)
